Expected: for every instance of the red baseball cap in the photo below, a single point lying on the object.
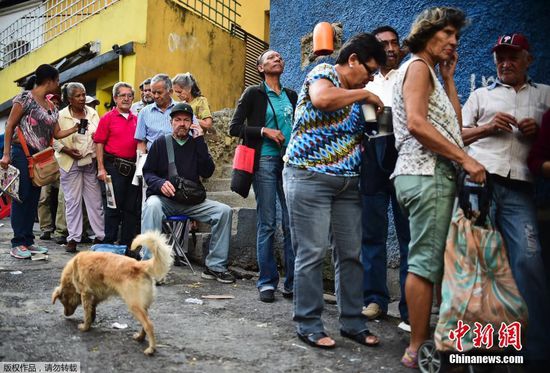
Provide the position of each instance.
(516, 41)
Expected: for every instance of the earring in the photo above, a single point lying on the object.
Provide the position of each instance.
(351, 66)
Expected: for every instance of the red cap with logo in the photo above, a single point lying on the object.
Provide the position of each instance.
(516, 41)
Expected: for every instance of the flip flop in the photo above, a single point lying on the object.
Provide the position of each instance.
(410, 359)
(313, 339)
(361, 337)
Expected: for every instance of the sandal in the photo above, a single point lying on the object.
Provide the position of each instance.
(361, 337)
(313, 339)
(410, 359)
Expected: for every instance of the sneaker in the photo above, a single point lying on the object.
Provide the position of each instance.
(46, 236)
(37, 249)
(372, 311)
(405, 326)
(267, 295)
(223, 277)
(20, 252)
(71, 247)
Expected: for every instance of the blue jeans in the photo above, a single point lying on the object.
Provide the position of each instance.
(23, 214)
(373, 249)
(218, 215)
(268, 187)
(513, 211)
(319, 206)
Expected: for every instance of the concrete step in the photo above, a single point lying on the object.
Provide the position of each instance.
(217, 184)
(233, 199)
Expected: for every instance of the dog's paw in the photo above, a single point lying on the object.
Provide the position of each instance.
(83, 327)
(139, 337)
(149, 351)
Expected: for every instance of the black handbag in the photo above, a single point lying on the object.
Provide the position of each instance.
(188, 192)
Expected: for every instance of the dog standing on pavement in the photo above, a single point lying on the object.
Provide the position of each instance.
(91, 277)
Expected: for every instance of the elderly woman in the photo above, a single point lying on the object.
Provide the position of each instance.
(427, 125)
(321, 186)
(76, 157)
(36, 117)
(187, 90)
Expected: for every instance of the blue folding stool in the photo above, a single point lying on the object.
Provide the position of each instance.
(177, 229)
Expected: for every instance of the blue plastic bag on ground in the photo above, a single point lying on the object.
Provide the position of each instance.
(108, 248)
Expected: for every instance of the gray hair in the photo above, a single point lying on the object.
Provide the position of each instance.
(119, 85)
(162, 78)
(187, 81)
(68, 89)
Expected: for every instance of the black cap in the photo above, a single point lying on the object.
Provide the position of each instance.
(181, 107)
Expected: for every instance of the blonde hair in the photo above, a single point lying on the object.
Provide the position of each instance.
(429, 22)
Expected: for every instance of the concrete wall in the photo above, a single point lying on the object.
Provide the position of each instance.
(488, 19)
(253, 18)
(178, 41)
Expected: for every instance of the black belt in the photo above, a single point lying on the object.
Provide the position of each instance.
(518, 185)
(113, 158)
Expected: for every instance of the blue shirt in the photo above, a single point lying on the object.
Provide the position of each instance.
(153, 123)
(282, 110)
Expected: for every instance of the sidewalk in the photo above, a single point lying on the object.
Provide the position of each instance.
(234, 335)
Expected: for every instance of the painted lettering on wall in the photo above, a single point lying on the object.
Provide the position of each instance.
(181, 42)
(485, 81)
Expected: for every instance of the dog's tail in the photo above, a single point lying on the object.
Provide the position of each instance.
(162, 259)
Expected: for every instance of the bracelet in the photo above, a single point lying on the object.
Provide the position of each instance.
(262, 132)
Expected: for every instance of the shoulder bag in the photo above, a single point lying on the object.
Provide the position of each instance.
(188, 192)
(43, 167)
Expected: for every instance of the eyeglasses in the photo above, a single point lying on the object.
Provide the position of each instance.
(369, 71)
(126, 95)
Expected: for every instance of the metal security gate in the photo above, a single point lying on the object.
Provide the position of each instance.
(254, 48)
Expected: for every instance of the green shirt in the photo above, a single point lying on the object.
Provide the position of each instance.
(283, 112)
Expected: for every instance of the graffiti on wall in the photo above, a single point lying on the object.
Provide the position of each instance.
(180, 42)
(485, 81)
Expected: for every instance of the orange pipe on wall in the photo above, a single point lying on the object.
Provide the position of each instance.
(323, 39)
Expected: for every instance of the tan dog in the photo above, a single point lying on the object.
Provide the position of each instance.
(91, 277)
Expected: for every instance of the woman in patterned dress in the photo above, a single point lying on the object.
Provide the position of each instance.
(427, 127)
(37, 118)
(321, 178)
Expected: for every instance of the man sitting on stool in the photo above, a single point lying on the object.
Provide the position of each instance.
(192, 161)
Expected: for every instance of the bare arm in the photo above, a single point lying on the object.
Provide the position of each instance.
(101, 173)
(417, 88)
(326, 96)
(447, 70)
(13, 120)
(142, 145)
(206, 123)
(58, 133)
(501, 122)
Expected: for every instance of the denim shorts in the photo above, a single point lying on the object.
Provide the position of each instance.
(428, 202)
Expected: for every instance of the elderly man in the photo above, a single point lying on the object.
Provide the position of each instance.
(154, 119)
(500, 124)
(146, 97)
(377, 164)
(192, 160)
(116, 154)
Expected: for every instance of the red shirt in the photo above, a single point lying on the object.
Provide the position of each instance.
(116, 133)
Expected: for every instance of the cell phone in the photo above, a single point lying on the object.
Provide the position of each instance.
(83, 126)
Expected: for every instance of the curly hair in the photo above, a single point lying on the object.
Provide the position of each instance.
(431, 21)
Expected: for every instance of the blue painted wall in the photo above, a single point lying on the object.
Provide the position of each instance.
(292, 19)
